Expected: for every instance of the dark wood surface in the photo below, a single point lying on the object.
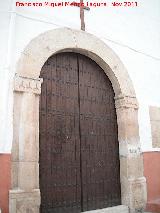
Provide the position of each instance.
(79, 156)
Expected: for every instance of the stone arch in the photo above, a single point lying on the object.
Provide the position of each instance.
(65, 39)
(27, 87)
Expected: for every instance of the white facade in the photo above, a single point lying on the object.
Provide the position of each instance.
(133, 33)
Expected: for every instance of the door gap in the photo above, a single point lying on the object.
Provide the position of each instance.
(81, 175)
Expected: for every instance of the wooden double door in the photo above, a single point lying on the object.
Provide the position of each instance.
(79, 154)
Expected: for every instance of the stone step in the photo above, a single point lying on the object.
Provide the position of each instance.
(115, 209)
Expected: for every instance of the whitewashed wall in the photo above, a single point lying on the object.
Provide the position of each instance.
(133, 33)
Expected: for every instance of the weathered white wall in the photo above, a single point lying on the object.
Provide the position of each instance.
(5, 74)
(133, 33)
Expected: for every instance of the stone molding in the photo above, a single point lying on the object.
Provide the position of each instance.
(24, 84)
(123, 101)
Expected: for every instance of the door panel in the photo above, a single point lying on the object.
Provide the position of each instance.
(79, 157)
(59, 136)
(99, 144)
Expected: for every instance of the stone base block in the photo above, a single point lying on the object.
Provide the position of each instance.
(138, 195)
(115, 209)
(24, 202)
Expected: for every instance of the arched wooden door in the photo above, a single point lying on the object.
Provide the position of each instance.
(79, 154)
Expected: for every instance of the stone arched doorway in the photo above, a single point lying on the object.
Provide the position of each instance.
(25, 195)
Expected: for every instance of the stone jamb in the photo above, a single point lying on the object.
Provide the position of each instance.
(25, 195)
